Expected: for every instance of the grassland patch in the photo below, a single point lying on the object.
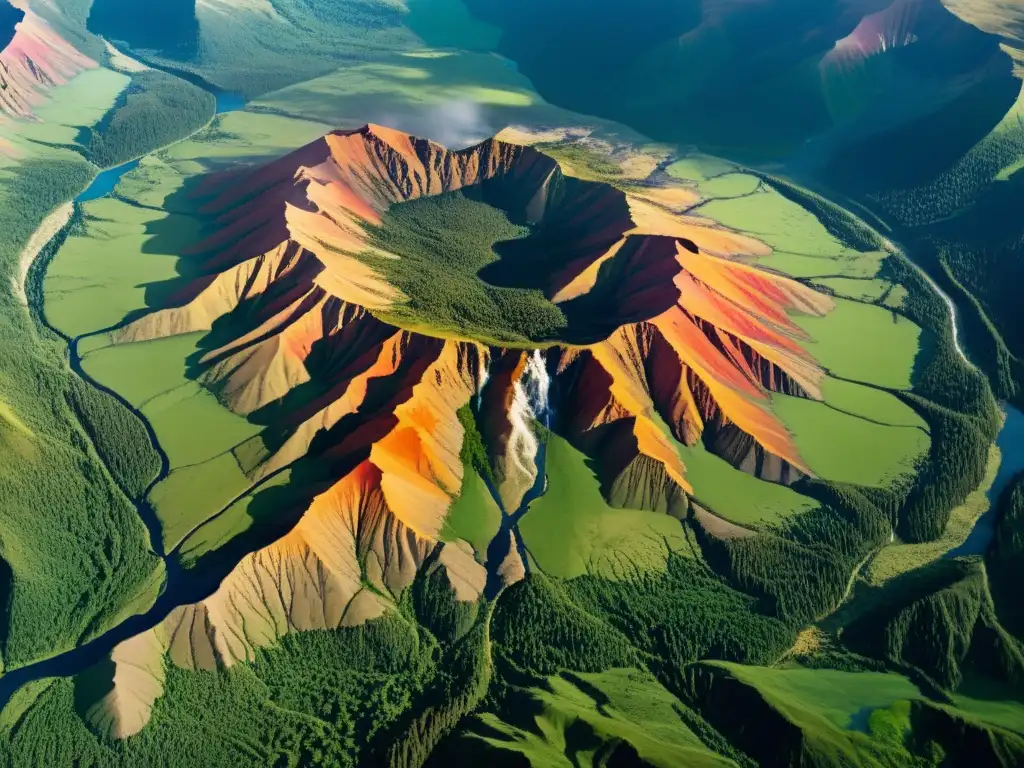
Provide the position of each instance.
(571, 530)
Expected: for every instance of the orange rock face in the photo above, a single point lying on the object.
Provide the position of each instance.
(670, 337)
(666, 324)
(36, 60)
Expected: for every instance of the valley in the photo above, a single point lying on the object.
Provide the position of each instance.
(418, 415)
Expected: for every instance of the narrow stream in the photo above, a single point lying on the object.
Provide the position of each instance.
(186, 587)
(536, 384)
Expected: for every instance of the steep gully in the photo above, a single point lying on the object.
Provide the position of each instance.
(184, 587)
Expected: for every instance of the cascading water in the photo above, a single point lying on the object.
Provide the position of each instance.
(529, 404)
(525, 479)
(522, 441)
(485, 375)
(538, 386)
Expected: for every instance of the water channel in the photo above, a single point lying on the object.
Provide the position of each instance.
(182, 588)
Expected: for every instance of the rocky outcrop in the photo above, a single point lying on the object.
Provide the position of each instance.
(669, 334)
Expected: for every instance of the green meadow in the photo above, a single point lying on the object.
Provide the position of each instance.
(841, 699)
(737, 496)
(196, 432)
(567, 720)
(729, 185)
(474, 516)
(850, 449)
(864, 343)
(570, 530)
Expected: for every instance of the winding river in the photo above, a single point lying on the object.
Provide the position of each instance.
(181, 587)
(1010, 439)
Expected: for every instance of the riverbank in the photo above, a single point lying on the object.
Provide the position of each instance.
(47, 230)
(178, 587)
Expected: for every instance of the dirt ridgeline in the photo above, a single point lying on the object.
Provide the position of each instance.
(51, 225)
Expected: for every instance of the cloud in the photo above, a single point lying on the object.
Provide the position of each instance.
(455, 124)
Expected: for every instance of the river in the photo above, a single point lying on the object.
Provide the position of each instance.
(1010, 438)
(106, 180)
(1011, 444)
(186, 587)
(181, 587)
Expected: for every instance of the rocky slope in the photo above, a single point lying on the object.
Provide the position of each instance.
(669, 336)
(34, 61)
(665, 321)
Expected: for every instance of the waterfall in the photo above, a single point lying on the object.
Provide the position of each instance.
(522, 442)
(538, 385)
(484, 375)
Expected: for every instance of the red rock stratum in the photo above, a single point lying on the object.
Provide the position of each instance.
(36, 60)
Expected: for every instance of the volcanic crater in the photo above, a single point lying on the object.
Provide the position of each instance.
(373, 266)
(372, 298)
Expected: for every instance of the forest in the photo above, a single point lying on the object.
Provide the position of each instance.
(443, 242)
(156, 109)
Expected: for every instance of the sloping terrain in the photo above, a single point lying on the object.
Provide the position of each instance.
(662, 325)
(667, 336)
(553, 448)
(830, 87)
(35, 60)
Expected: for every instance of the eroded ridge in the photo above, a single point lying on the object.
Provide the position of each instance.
(671, 336)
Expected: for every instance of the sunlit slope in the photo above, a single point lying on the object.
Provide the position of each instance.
(297, 297)
(345, 563)
(35, 60)
(327, 437)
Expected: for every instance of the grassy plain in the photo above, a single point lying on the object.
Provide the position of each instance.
(195, 431)
(699, 168)
(571, 530)
(870, 403)
(868, 290)
(839, 698)
(850, 449)
(81, 102)
(729, 185)
(474, 515)
(100, 273)
(865, 343)
(1004, 713)
(738, 496)
(781, 223)
(850, 264)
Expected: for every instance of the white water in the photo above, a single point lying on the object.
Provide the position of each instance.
(485, 375)
(529, 403)
(522, 441)
(538, 385)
